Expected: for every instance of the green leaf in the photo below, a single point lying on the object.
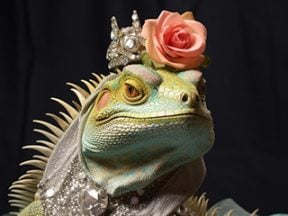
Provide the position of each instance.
(147, 61)
(207, 61)
(157, 65)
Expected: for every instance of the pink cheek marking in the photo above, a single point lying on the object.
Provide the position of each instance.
(104, 100)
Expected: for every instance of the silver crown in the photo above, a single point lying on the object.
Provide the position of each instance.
(127, 45)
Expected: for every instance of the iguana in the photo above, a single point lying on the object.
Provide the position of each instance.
(135, 126)
(132, 145)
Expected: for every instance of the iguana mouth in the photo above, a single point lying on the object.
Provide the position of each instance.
(159, 116)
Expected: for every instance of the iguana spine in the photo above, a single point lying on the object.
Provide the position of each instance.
(24, 190)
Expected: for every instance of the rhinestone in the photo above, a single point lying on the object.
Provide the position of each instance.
(133, 57)
(82, 175)
(114, 24)
(113, 35)
(129, 43)
(50, 193)
(93, 201)
(134, 200)
(41, 184)
(135, 16)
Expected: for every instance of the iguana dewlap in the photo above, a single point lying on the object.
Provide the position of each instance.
(139, 131)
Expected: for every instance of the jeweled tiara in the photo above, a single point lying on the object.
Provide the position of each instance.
(127, 44)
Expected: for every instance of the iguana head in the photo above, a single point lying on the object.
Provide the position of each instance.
(144, 123)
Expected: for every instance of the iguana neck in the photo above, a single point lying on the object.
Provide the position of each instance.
(127, 168)
(120, 174)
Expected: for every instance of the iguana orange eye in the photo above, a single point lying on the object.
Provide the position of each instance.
(131, 91)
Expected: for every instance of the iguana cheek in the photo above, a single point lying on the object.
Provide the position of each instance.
(103, 100)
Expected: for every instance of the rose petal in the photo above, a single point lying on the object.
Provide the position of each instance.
(154, 51)
(174, 20)
(161, 19)
(165, 34)
(188, 15)
(165, 44)
(162, 42)
(152, 45)
(167, 50)
(197, 27)
(180, 39)
(148, 28)
(197, 48)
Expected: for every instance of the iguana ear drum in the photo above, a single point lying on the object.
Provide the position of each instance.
(103, 99)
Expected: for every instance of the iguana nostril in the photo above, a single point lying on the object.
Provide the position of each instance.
(184, 97)
(190, 99)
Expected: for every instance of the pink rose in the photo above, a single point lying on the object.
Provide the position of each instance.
(175, 40)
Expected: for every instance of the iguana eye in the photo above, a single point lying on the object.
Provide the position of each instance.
(133, 91)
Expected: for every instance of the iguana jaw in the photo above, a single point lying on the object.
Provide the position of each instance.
(155, 116)
(144, 149)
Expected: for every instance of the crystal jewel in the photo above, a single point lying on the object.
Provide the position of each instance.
(134, 16)
(129, 43)
(82, 175)
(113, 35)
(94, 201)
(50, 193)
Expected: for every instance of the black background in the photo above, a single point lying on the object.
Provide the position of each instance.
(43, 44)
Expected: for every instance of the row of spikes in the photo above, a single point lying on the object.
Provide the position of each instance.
(199, 206)
(24, 190)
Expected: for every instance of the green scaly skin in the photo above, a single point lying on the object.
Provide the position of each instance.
(34, 209)
(141, 125)
(128, 142)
